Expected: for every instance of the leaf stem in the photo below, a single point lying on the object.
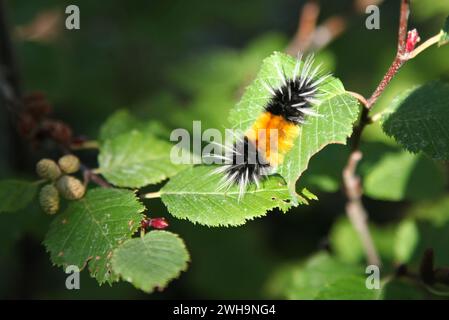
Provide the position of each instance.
(90, 175)
(152, 195)
(40, 181)
(96, 170)
(397, 63)
(428, 43)
(359, 97)
(89, 144)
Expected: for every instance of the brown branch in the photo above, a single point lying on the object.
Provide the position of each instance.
(403, 25)
(90, 175)
(326, 32)
(400, 58)
(308, 17)
(310, 36)
(429, 277)
(355, 210)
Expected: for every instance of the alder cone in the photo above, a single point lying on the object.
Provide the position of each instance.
(49, 199)
(70, 188)
(48, 169)
(69, 163)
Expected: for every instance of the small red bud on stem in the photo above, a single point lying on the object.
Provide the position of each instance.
(412, 39)
(156, 223)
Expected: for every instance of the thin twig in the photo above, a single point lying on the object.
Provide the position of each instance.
(89, 175)
(399, 60)
(326, 32)
(355, 210)
(312, 37)
(89, 144)
(308, 17)
(403, 25)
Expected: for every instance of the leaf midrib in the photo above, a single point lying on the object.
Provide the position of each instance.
(222, 194)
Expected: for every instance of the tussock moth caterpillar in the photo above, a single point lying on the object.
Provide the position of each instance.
(261, 149)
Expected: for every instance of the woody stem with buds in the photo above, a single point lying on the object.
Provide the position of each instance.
(355, 209)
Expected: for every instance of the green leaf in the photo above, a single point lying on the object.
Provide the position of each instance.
(415, 236)
(16, 194)
(429, 9)
(401, 175)
(402, 289)
(419, 121)
(406, 240)
(347, 288)
(136, 159)
(436, 211)
(339, 111)
(118, 123)
(151, 261)
(122, 121)
(91, 228)
(444, 34)
(193, 195)
(426, 227)
(324, 277)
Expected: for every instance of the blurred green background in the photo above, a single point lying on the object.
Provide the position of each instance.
(177, 61)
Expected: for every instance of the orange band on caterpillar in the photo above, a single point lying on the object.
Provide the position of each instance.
(273, 136)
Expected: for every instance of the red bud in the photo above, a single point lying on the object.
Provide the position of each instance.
(156, 223)
(159, 223)
(412, 39)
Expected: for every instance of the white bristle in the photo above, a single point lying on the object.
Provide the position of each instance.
(269, 88)
(310, 112)
(281, 74)
(314, 73)
(317, 82)
(308, 92)
(313, 101)
(296, 70)
(299, 104)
